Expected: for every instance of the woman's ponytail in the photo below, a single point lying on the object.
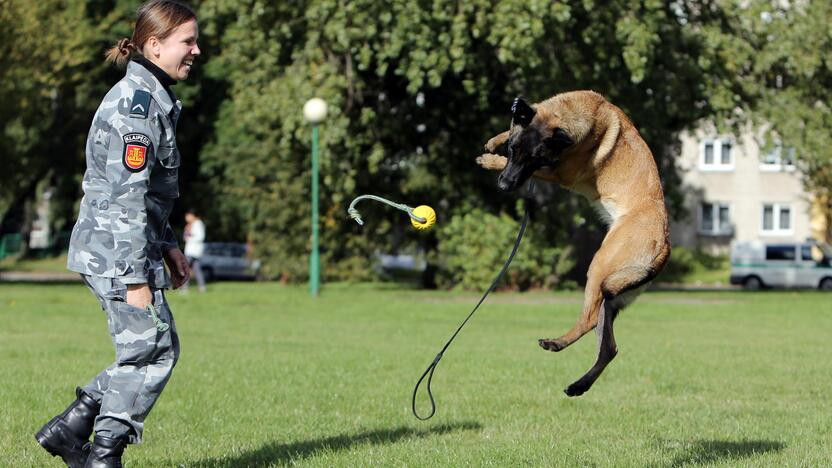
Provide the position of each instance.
(120, 52)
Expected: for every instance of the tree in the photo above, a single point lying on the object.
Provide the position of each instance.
(794, 72)
(52, 86)
(415, 88)
(52, 77)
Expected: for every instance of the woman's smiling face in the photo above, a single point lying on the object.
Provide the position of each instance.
(175, 54)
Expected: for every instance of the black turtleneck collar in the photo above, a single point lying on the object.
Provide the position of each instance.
(160, 74)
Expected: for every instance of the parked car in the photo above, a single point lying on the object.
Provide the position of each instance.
(758, 265)
(404, 262)
(228, 260)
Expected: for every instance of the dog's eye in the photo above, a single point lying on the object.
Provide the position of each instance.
(559, 141)
(560, 135)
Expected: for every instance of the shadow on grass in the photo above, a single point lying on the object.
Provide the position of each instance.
(276, 453)
(711, 451)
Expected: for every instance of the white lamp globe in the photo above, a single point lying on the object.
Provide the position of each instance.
(315, 110)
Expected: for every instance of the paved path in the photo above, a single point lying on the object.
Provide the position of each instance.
(64, 277)
(39, 277)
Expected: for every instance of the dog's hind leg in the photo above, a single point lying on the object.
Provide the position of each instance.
(607, 350)
(588, 319)
(627, 261)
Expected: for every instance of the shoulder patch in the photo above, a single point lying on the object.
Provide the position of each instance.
(137, 148)
(140, 105)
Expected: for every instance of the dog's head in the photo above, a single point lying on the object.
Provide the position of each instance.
(534, 142)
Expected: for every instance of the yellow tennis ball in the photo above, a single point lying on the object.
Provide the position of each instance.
(426, 212)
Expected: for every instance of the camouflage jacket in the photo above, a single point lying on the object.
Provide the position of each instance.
(130, 184)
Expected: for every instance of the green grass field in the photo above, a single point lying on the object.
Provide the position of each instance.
(55, 264)
(269, 376)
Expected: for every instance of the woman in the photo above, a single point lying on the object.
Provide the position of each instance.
(122, 237)
(194, 247)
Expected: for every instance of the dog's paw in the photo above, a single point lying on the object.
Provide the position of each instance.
(577, 389)
(492, 162)
(494, 143)
(550, 345)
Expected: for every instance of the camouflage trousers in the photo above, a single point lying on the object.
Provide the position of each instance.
(147, 348)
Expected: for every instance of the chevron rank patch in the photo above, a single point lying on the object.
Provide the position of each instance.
(136, 149)
(140, 104)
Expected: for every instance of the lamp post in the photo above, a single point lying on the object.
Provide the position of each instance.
(315, 112)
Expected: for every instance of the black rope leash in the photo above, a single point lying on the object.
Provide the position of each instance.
(432, 367)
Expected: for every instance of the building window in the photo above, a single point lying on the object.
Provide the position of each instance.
(780, 158)
(716, 155)
(715, 219)
(725, 154)
(777, 218)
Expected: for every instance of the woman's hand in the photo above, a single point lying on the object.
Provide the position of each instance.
(178, 266)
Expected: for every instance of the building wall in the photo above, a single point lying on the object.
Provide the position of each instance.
(744, 186)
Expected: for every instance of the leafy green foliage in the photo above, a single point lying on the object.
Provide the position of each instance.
(415, 89)
(52, 78)
(690, 266)
(474, 246)
(795, 76)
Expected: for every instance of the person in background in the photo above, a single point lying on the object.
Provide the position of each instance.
(194, 247)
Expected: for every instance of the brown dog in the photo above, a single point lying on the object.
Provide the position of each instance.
(584, 143)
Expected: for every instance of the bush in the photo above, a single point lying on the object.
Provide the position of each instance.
(688, 265)
(682, 262)
(474, 246)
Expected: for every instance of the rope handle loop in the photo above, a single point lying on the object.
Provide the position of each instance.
(432, 367)
(353, 212)
(430, 370)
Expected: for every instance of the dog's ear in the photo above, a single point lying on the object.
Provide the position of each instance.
(521, 113)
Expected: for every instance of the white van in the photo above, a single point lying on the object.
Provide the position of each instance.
(757, 265)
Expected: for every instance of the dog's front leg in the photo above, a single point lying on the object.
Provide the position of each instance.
(496, 142)
(492, 162)
(495, 162)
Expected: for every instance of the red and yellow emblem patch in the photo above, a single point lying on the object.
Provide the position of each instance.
(134, 156)
(137, 148)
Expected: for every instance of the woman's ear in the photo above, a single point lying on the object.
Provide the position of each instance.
(154, 46)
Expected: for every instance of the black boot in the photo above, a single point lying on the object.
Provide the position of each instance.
(105, 452)
(67, 435)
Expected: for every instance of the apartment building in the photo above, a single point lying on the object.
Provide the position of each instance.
(735, 190)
